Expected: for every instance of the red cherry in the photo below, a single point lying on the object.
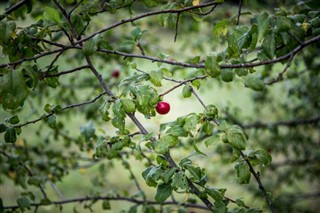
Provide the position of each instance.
(115, 73)
(163, 107)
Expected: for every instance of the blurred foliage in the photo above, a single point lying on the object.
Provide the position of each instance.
(84, 62)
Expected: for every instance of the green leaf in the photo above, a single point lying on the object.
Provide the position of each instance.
(104, 110)
(13, 120)
(89, 47)
(211, 112)
(254, 83)
(7, 29)
(128, 105)
(220, 207)
(10, 136)
(167, 175)
(52, 15)
(177, 131)
(52, 123)
(226, 75)
(23, 202)
(162, 146)
(263, 23)
(3, 128)
(88, 131)
(194, 171)
(236, 137)
(191, 123)
(216, 194)
(77, 23)
(164, 191)
(269, 45)
(13, 90)
(212, 66)
(156, 78)
(186, 91)
(118, 110)
(211, 140)
(243, 172)
(152, 175)
(179, 180)
(118, 122)
(263, 156)
(282, 23)
(106, 205)
(220, 29)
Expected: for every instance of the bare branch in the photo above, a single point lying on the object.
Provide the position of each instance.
(290, 123)
(67, 71)
(239, 12)
(64, 108)
(15, 7)
(129, 20)
(118, 198)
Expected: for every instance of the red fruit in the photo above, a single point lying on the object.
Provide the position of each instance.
(115, 73)
(163, 107)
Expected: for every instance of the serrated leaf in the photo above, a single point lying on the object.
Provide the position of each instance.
(211, 140)
(263, 156)
(52, 15)
(10, 136)
(177, 131)
(220, 207)
(156, 78)
(162, 146)
(128, 105)
(191, 123)
(254, 83)
(212, 66)
(216, 194)
(167, 175)
(243, 172)
(23, 202)
(164, 191)
(236, 137)
(104, 110)
(179, 180)
(152, 175)
(269, 45)
(118, 122)
(263, 23)
(283, 23)
(13, 90)
(220, 29)
(7, 29)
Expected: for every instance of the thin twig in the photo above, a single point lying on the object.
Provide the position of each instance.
(257, 177)
(118, 198)
(15, 7)
(56, 189)
(64, 108)
(239, 12)
(177, 26)
(67, 71)
(280, 75)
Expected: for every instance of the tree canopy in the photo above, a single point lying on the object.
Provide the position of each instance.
(80, 86)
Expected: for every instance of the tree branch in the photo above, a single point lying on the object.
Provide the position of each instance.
(290, 123)
(15, 7)
(239, 12)
(64, 108)
(257, 177)
(118, 198)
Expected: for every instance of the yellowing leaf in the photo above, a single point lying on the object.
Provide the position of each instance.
(196, 2)
(82, 171)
